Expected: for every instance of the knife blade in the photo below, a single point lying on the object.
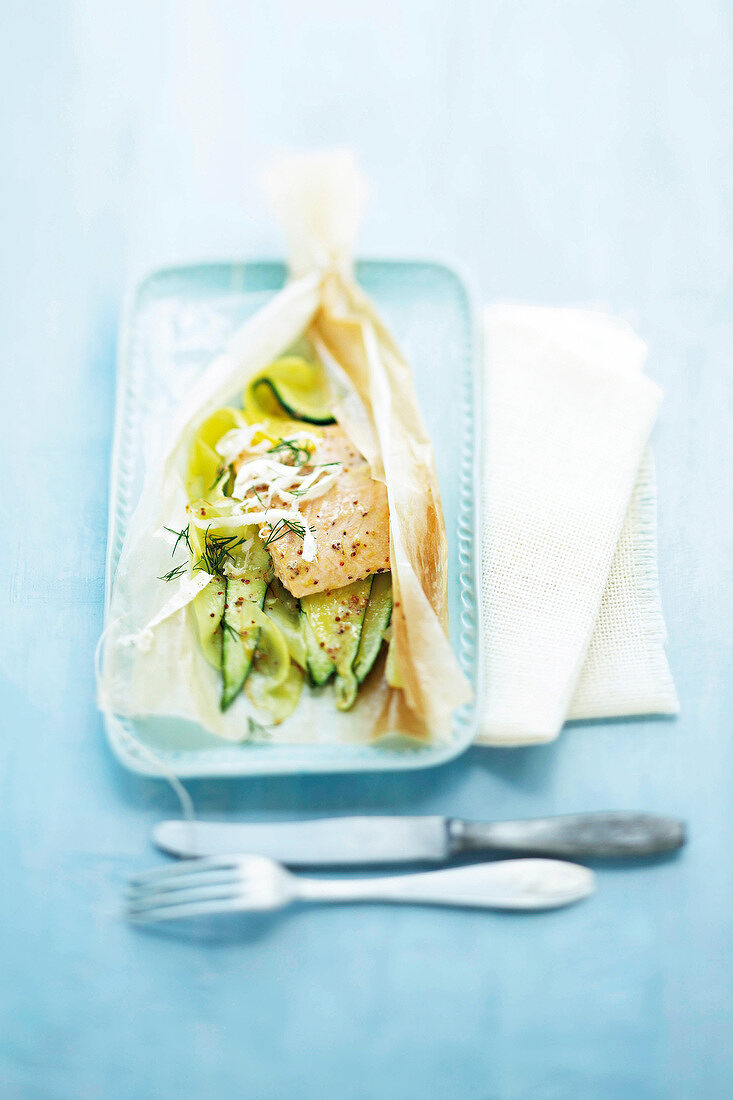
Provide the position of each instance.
(344, 841)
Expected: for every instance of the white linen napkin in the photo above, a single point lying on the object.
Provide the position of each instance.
(572, 620)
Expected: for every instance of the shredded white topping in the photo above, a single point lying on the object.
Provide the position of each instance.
(235, 442)
(271, 476)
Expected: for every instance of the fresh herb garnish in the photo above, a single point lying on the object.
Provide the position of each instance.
(176, 572)
(281, 528)
(217, 550)
(179, 535)
(221, 471)
(301, 455)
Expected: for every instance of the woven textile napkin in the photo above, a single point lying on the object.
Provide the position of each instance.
(572, 620)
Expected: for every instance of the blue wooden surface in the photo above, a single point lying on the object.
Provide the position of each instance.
(562, 152)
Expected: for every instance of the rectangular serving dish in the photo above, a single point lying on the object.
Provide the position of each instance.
(185, 315)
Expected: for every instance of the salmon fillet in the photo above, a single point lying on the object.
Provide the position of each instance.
(350, 522)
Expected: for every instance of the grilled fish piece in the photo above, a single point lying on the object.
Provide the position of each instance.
(350, 522)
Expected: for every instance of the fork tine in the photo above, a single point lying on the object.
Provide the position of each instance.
(192, 909)
(184, 882)
(184, 867)
(155, 899)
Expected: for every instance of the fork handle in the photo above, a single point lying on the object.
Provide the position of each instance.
(505, 884)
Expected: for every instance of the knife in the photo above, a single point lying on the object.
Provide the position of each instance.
(355, 840)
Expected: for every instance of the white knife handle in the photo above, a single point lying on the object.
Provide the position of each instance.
(505, 884)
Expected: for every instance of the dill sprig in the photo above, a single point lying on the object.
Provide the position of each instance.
(176, 572)
(300, 455)
(281, 528)
(180, 535)
(220, 472)
(217, 550)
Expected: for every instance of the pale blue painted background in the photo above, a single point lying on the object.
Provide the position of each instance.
(560, 152)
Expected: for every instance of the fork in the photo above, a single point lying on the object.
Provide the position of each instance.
(232, 884)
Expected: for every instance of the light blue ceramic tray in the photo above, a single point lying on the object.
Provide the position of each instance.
(429, 312)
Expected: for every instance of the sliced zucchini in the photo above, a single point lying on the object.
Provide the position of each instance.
(240, 628)
(335, 620)
(208, 609)
(224, 483)
(317, 661)
(376, 621)
(272, 660)
(205, 465)
(279, 700)
(290, 386)
(283, 609)
(239, 634)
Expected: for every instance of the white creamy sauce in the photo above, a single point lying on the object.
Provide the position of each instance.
(266, 480)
